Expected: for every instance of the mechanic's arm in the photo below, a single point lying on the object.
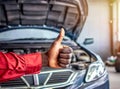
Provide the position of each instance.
(13, 66)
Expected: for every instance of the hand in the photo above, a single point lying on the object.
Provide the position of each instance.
(65, 56)
(58, 55)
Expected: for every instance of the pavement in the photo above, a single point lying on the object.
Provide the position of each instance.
(114, 78)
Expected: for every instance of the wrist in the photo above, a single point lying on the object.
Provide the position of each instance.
(45, 61)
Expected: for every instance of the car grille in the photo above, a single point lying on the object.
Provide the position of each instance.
(17, 82)
(59, 77)
(53, 78)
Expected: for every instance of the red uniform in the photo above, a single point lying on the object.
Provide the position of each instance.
(13, 65)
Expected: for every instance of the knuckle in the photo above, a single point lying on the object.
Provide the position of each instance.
(55, 43)
(62, 65)
(64, 55)
(63, 61)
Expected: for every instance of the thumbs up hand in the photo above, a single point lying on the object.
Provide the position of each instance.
(58, 55)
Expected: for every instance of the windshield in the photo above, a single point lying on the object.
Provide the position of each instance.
(28, 34)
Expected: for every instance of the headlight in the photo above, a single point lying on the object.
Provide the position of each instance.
(95, 71)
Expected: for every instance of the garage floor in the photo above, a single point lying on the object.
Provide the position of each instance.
(114, 78)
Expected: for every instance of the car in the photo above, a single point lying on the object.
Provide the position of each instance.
(29, 26)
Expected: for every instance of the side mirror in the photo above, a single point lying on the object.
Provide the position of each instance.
(88, 41)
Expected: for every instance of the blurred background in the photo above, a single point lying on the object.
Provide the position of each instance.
(103, 26)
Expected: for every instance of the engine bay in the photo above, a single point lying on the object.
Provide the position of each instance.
(80, 60)
(50, 76)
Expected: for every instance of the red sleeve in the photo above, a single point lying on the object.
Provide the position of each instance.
(13, 65)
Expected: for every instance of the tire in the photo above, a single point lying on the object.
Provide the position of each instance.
(117, 64)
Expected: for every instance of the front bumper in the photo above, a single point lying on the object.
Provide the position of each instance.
(57, 79)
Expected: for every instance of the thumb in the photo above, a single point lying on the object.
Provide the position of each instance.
(60, 36)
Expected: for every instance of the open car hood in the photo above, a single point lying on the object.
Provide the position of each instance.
(69, 14)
